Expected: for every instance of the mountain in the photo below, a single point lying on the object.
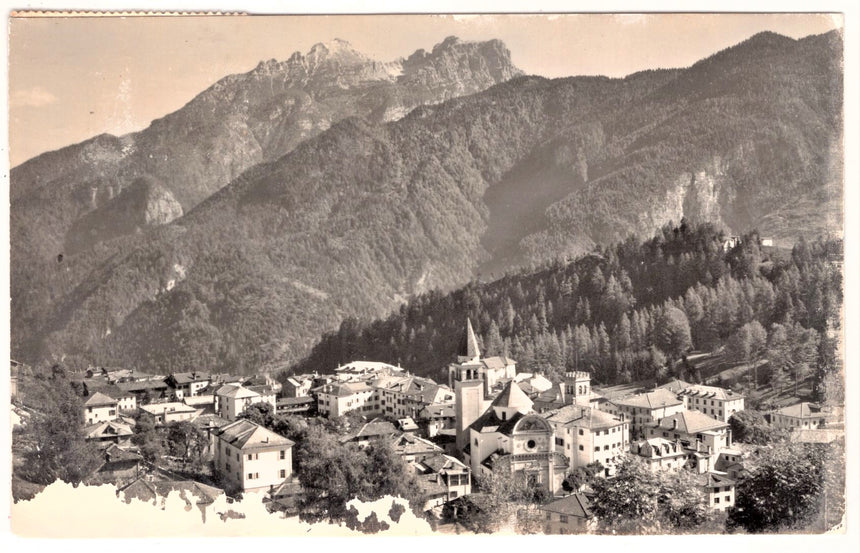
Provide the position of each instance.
(238, 122)
(356, 219)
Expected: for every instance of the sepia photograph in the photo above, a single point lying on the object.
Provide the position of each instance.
(428, 274)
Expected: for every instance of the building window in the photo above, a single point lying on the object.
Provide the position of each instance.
(250, 476)
(548, 515)
(562, 519)
(237, 456)
(283, 473)
(580, 431)
(581, 448)
(716, 500)
(597, 448)
(283, 454)
(606, 448)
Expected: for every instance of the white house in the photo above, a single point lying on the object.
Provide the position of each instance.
(232, 400)
(717, 403)
(100, 408)
(250, 457)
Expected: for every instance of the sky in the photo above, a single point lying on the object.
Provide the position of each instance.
(73, 78)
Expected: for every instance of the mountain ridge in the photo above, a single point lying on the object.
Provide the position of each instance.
(354, 220)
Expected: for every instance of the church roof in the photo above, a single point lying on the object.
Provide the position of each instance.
(513, 397)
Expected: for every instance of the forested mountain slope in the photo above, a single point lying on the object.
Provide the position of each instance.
(353, 221)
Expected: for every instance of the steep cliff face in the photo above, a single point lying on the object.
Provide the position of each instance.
(240, 121)
(144, 203)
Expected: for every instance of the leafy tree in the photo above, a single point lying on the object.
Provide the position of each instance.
(186, 440)
(261, 413)
(639, 501)
(747, 345)
(147, 437)
(782, 490)
(332, 474)
(749, 426)
(59, 448)
(673, 332)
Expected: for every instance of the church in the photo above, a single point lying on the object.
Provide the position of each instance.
(502, 433)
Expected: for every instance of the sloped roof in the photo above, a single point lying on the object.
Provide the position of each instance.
(650, 400)
(115, 454)
(233, 391)
(170, 407)
(710, 392)
(801, 410)
(715, 480)
(107, 429)
(98, 399)
(245, 434)
(658, 447)
(585, 417)
(513, 397)
(675, 385)
(438, 410)
(440, 462)
(149, 490)
(409, 444)
(573, 505)
(376, 428)
(189, 377)
(489, 422)
(691, 422)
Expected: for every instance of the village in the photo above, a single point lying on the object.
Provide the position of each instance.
(487, 420)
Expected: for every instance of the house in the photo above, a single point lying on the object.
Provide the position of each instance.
(305, 405)
(232, 400)
(153, 489)
(413, 448)
(510, 438)
(436, 417)
(107, 432)
(187, 383)
(405, 396)
(442, 478)
(718, 403)
(126, 401)
(119, 466)
(568, 515)
(174, 411)
(337, 399)
(643, 409)
(585, 435)
(719, 490)
(146, 391)
(803, 415)
(284, 497)
(373, 430)
(250, 457)
(704, 436)
(298, 385)
(660, 453)
(99, 408)
(730, 462)
(363, 370)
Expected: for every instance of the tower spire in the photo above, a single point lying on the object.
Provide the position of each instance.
(469, 349)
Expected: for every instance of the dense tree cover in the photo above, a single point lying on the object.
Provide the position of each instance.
(364, 215)
(639, 501)
(186, 441)
(55, 444)
(787, 489)
(627, 312)
(333, 473)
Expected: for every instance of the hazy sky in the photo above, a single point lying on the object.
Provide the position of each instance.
(73, 78)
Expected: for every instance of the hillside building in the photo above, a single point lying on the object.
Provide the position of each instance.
(717, 403)
(585, 435)
(798, 416)
(100, 408)
(640, 410)
(232, 400)
(249, 457)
